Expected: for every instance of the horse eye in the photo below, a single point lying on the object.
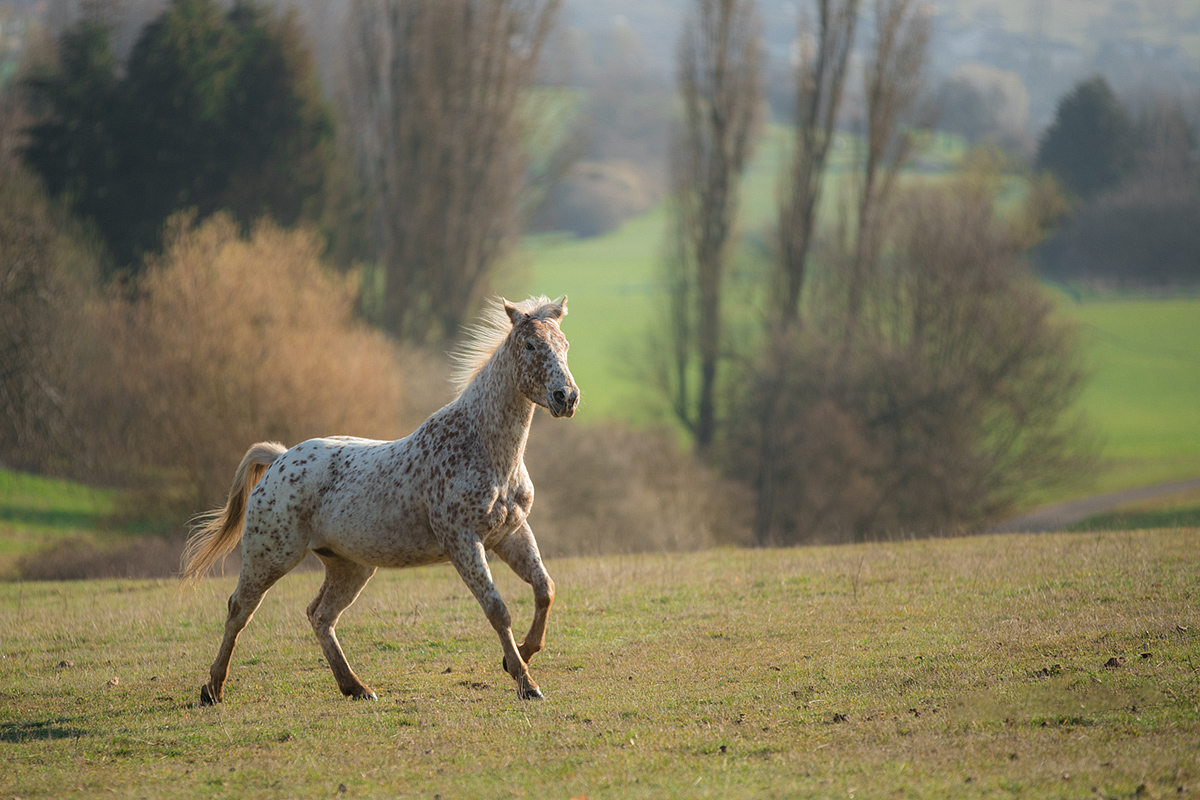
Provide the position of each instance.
(530, 346)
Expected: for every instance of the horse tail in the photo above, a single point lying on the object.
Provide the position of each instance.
(216, 532)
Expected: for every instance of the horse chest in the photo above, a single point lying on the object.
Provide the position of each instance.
(507, 511)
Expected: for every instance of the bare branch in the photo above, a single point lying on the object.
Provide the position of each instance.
(719, 65)
(437, 92)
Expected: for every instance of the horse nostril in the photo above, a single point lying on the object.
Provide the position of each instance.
(573, 398)
(560, 396)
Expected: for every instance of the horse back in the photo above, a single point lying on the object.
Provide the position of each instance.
(354, 497)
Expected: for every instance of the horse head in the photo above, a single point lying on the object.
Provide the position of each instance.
(541, 355)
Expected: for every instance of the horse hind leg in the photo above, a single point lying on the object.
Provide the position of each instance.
(244, 601)
(344, 580)
(261, 568)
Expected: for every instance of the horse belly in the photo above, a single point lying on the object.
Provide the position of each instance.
(387, 538)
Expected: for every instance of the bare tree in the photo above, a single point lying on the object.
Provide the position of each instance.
(437, 97)
(719, 65)
(45, 272)
(820, 78)
(894, 79)
(941, 415)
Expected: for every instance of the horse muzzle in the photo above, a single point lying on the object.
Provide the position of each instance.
(563, 402)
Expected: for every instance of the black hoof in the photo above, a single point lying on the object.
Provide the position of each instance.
(206, 696)
(367, 696)
(532, 694)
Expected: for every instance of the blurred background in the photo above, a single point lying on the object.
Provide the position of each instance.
(837, 270)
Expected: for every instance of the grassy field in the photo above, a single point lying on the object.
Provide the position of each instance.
(36, 512)
(1057, 665)
(1145, 362)
(1180, 510)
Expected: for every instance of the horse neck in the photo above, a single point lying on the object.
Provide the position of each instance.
(500, 413)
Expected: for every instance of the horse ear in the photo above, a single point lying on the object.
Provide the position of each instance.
(514, 315)
(562, 305)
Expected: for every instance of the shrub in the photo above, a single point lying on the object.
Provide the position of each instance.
(948, 397)
(228, 341)
(1144, 234)
(610, 489)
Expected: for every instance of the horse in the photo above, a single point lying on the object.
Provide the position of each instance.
(452, 490)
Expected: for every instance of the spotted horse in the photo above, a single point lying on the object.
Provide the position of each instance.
(452, 490)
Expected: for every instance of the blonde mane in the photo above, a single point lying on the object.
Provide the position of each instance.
(487, 334)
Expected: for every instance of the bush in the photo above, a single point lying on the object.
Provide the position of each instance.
(609, 489)
(947, 398)
(227, 341)
(82, 559)
(1144, 234)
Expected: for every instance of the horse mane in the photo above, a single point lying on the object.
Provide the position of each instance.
(486, 335)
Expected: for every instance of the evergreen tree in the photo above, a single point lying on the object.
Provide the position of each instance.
(75, 145)
(1091, 144)
(217, 110)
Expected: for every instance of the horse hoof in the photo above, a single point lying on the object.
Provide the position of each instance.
(367, 695)
(533, 693)
(206, 696)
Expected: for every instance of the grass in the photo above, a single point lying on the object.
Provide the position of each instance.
(951, 668)
(1145, 360)
(36, 512)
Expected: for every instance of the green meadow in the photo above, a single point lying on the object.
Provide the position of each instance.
(37, 512)
(1144, 393)
(1058, 665)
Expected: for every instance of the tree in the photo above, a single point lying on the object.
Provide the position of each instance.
(893, 78)
(893, 82)
(720, 86)
(936, 416)
(216, 110)
(437, 94)
(1090, 145)
(820, 81)
(820, 78)
(74, 140)
(45, 274)
(1145, 231)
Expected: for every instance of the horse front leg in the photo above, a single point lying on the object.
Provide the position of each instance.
(468, 556)
(520, 552)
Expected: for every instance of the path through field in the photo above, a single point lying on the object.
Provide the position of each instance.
(1060, 516)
